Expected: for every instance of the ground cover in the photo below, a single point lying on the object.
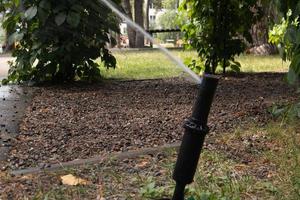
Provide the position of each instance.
(252, 163)
(69, 122)
(154, 64)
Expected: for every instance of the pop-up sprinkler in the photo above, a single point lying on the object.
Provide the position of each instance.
(195, 131)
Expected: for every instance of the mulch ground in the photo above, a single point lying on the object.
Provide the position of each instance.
(71, 122)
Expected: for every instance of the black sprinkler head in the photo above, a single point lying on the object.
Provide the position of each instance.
(193, 139)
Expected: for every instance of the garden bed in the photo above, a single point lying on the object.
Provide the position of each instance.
(71, 122)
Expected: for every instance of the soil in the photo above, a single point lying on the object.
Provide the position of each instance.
(64, 123)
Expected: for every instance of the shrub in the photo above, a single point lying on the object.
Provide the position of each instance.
(217, 29)
(58, 40)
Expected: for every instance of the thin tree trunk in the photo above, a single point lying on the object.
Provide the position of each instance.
(139, 19)
(130, 31)
(147, 14)
(147, 25)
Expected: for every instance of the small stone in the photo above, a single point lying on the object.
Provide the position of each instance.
(54, 150)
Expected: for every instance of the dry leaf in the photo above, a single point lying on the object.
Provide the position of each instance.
(27, 177)
(73, 180)
(270, 174)
(142, 164)
(240, 167)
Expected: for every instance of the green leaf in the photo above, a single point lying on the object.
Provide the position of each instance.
(43, 15)
(276, 112)
(45, 51)
(5, 81)
(60, 18)
(15, 37)
(236, 68)
(291, 77)
(31, 12)
(77, 8)
(73, 19)
(58, 9)
(45, 4)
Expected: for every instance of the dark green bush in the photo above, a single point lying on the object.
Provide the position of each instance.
(58, 40)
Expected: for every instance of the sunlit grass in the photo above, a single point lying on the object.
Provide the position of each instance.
(252, 63)
(141, 65)
(153, 64)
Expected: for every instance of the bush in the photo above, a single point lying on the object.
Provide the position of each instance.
(217, 29)
(58, 40)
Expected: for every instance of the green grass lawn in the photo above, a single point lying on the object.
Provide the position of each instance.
(152, 64)
(252, 63)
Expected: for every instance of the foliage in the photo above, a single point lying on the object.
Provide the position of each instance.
(215, 31)
(170, 4)
(157, 4)
(286, 35)
(290, 112)
(58, 41)
(168, 20)
(152, 191)
(284, 7)
(164, 4)
(276, 34)
(195, 65)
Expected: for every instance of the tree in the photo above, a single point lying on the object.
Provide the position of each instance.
(260, 29)
(168, 20)
(58, 40)
(136, 39)
(130, 31)
(147, 7)
(139, 19)
(218, 28)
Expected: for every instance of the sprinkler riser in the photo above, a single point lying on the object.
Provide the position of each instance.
(193, 139)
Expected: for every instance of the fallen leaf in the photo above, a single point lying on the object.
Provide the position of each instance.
(270, 174)
(240, 167)
(142, 164)
(73, 180)
(27, 177)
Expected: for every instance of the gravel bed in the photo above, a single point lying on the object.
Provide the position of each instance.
(64, 123)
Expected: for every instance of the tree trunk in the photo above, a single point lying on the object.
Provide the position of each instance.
(139, 19)
(130, 31)
(147, 25)
(147, 14)
(260, 30)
